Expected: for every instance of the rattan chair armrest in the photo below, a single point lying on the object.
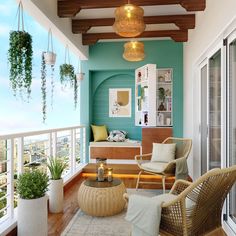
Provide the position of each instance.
(139, 158)
(179, 186)
(171, 165)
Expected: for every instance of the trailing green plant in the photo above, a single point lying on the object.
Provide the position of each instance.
(67, 75)
(20, 58)
(32, 185)
(43, 87)
(56, 167)
(161, 94)
(52, 84)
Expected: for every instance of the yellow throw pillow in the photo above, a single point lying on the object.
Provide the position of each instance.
(99, 132)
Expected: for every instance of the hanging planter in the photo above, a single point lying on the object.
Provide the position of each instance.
(20, 57)
(79, 74)
(67, 75)
(48, 58)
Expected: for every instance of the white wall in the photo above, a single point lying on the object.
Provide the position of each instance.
(209, 25)
(45, 12)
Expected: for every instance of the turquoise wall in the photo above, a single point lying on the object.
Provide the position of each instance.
(107, 57)
(101, 82)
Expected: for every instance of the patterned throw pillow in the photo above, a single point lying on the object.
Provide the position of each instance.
(117, 136)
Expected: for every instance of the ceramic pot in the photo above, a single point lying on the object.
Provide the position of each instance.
(50, 58)
(56, 196)
(80, 76)
(32, 217)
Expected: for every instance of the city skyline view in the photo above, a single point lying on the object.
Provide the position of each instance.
(19, 115)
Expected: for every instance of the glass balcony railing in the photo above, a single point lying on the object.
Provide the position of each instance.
(23, 151)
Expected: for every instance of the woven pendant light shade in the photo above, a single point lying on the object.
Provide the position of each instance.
(129, 20)
(134, 51)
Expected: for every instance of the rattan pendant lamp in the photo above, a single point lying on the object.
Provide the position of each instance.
(133, 51)
(129, 20)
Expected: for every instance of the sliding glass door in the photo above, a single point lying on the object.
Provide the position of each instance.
(217, 142)
(214, 112)
(203, 126)
(232, 124)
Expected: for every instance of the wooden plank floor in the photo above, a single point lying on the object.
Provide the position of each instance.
(58, 222)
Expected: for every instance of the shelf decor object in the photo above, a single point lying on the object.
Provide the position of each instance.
(134, 51)
(129, 20)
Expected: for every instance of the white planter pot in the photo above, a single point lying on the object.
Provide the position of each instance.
(50, 58)
(32, 217)
(80, 76)
(56, 196)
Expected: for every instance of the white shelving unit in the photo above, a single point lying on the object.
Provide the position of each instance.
(152, 109)
(164, 96)
(145, 94)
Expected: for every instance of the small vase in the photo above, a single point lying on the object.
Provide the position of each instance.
(161, 107)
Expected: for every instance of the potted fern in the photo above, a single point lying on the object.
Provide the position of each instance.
(32, 203)
(56, 167)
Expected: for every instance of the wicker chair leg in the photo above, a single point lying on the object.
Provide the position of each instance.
(138, 179)
(164, 183)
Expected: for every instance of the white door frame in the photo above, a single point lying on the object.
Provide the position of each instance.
(230, 39)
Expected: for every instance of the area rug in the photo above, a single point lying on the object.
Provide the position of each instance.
(85, 225)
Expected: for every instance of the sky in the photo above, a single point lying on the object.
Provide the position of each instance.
(21, 116)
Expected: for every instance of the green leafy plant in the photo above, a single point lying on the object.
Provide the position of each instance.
(32, 185)
(20, 59)
(56, 167)
(67, 75)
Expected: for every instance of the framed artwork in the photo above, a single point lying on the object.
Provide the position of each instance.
(120, 102)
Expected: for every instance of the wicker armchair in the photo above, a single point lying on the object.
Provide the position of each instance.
(183, 148)
(198, 206)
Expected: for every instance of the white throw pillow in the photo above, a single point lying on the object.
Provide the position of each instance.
(163, 152)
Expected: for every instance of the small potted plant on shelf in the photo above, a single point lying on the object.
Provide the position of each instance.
(161, 94)
(20, 54)
(32, 203)
(56, 167)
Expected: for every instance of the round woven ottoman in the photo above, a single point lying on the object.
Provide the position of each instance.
(101, 198)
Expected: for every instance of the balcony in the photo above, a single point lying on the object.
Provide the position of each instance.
(23, 151)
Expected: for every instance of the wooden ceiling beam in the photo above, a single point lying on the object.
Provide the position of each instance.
(69, 8)
(182, 21)
(176, 35)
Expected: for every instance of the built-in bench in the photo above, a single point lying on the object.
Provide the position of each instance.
(115, 150)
